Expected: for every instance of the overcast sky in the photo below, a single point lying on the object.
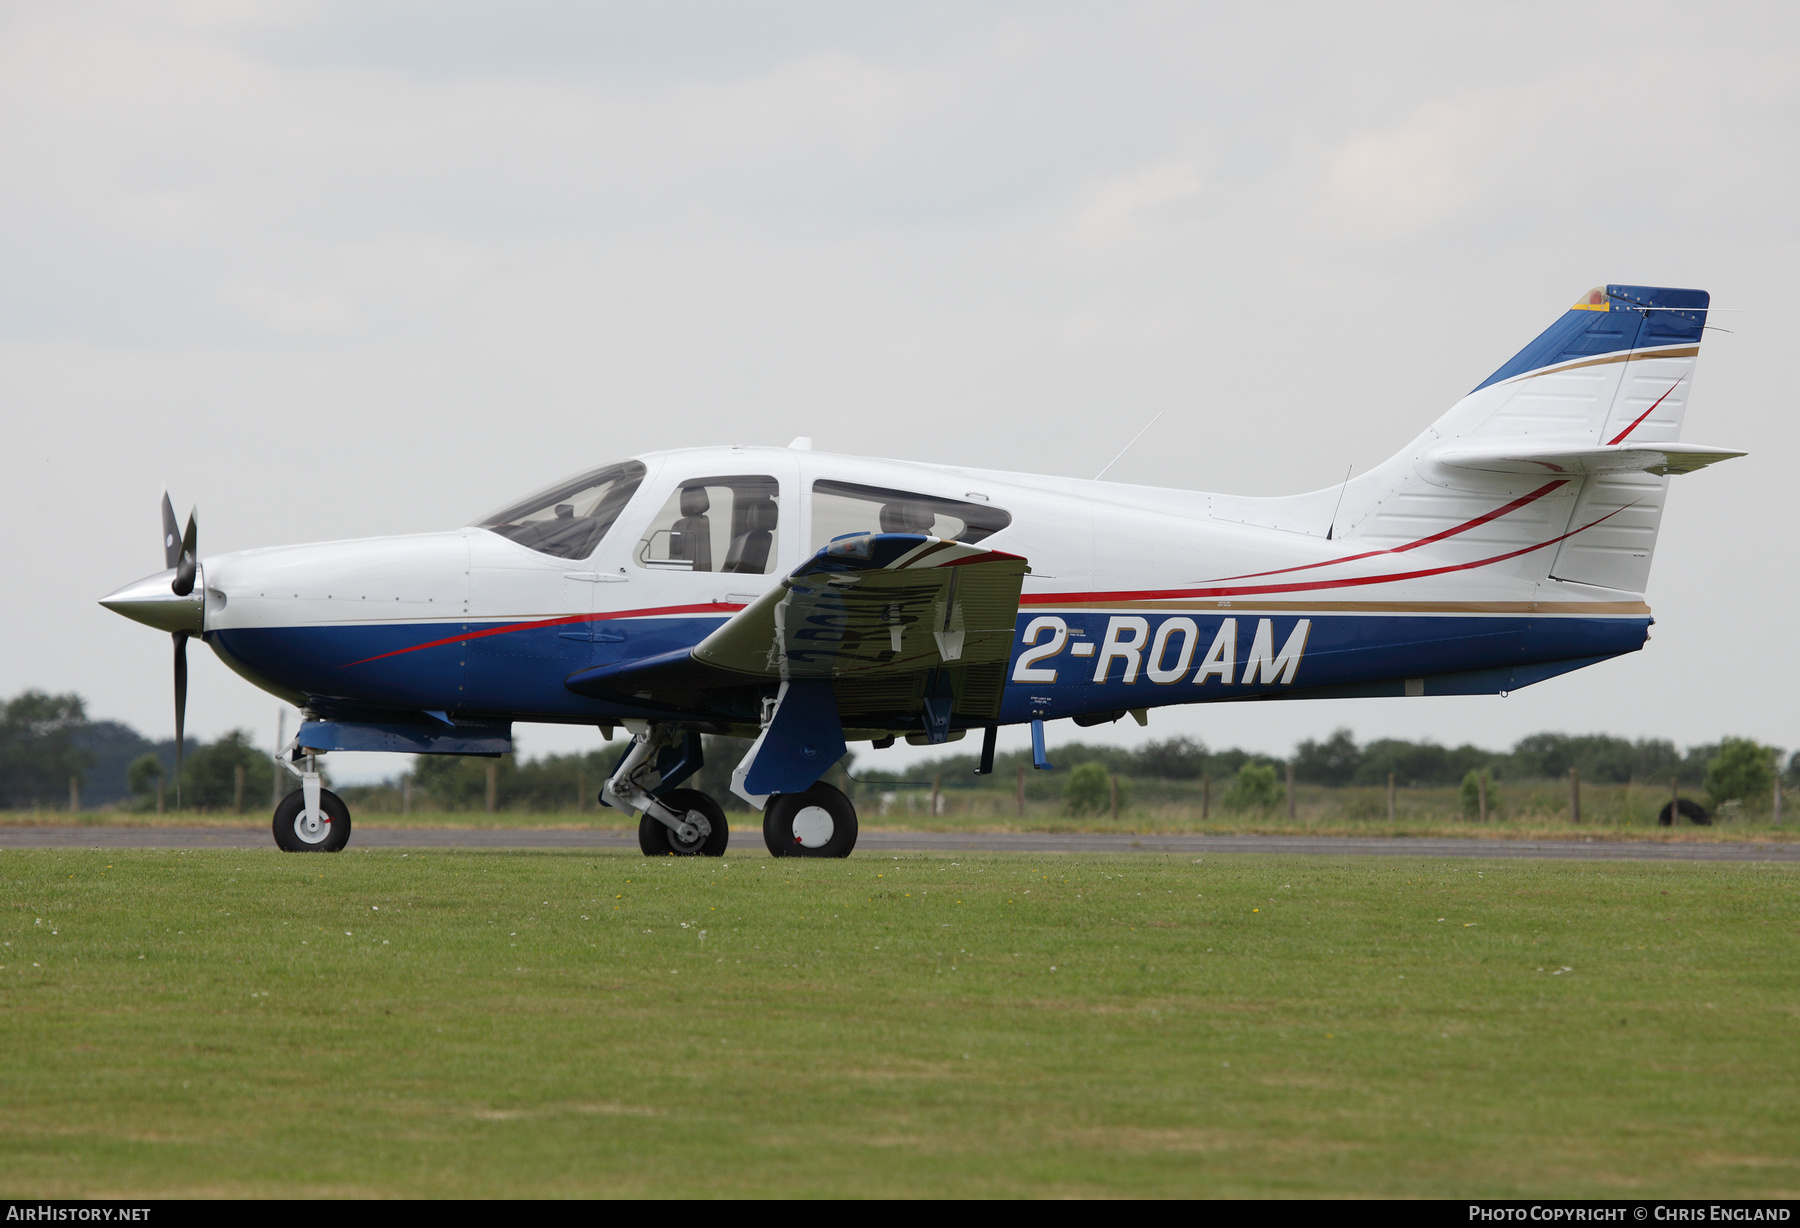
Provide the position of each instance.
(334, 270)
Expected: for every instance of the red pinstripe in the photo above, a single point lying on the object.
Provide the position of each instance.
(1482, 519)
(708, 607)
(1309, 585)
(1620, 437)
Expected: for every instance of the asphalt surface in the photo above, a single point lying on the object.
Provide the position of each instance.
(747, 842)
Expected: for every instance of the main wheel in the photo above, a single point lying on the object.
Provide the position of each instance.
(820, 822)
(658, 841)
(294, 835)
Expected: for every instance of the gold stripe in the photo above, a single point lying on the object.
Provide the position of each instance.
(1236, 606)
(1688, 351)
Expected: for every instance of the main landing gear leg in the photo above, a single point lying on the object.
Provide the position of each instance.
(683, 822)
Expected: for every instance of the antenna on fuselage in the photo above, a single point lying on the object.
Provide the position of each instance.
(1336, 507)
(1122, 451)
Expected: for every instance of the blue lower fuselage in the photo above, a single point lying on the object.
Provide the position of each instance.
(513, 671)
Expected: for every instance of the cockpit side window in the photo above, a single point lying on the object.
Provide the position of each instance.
(724, 524)
(839, 508)
(569, 519)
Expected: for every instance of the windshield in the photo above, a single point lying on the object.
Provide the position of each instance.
(569, 519)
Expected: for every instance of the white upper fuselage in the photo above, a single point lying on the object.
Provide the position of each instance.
(1081, 537)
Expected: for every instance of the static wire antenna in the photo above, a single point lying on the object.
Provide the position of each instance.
(1338, 506)
(1122, 451)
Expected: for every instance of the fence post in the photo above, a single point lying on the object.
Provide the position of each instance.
(159, 795)
(937, 783)
(1674, 801)
(1481, 795)
(406, 793)
(275, 777)
(1390, 797)
(1205, 796)
(493, 785)
(581, 790)
(1290, 784)
(1019, 792)
(1575, 795)
(74, 794)
(1778, 799)
(1112, 780)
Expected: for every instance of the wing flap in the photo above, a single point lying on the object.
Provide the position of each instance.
(876, 604)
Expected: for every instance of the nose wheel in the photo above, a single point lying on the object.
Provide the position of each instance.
(326, 833)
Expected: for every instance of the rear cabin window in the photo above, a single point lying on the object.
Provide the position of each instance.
(724, 524)
(840, 508)
(569, 519)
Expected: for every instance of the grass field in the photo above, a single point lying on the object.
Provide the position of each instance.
(463, 1023)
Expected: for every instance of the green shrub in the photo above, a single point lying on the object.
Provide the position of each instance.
(1742, 771)
(1254, 788)
(209, 777)
(142, 775)
(1471, 795)
(1089, 790)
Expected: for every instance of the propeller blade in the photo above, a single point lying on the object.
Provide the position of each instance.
(171, 533)
(189, 564)
(181, 640)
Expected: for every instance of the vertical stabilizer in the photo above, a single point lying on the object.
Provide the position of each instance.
(1617, 368)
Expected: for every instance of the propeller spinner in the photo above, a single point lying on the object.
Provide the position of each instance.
(168, 601)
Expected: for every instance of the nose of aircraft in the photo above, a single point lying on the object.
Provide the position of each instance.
(154, 603)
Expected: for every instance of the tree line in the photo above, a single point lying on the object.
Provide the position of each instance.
(1339, 760)
(46, 739)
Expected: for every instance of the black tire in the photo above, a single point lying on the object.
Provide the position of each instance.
(289, 837)
(1691, 810)
(658, 841)
(781, 812)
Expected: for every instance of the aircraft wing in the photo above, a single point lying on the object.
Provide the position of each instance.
(876, 604)
(1658, 458)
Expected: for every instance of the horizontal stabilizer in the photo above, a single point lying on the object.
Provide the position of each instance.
(1521, 457)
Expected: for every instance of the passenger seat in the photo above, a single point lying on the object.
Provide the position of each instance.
(749, 553)
(907, 516)
(690, 537)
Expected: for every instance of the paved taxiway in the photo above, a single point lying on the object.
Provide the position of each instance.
(748, 842)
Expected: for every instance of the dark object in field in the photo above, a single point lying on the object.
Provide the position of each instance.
(1690, 809)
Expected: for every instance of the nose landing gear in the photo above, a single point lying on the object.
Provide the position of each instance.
(311, 819)
(326, 831)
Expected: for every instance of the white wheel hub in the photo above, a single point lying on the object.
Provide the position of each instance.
(312, 831)
(813, 827)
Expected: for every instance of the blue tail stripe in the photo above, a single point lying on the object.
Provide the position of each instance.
(1674, 317)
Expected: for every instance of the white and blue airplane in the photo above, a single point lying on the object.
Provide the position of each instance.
(809, 600)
